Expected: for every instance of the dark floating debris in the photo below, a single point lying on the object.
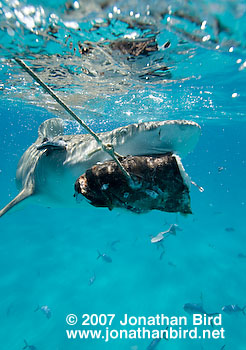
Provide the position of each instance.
(135, 47)
(159, 183)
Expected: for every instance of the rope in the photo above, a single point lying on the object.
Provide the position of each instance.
(108, 148)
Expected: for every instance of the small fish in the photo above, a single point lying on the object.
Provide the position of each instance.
(241, 255)
(155, 342)
(231, 309)
(92, 279)
(193, 308)
(104, 256)
(229, 229)
(170, 263)
(160, 236)
(221, 168)
(30, 347)
(222, 347)
(45, 309)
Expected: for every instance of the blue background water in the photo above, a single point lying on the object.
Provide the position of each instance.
(48, 255)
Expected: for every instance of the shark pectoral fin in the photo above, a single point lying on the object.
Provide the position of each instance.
(51, 128)
(25, 193)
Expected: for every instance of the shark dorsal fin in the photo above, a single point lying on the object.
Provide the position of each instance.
(51, 128)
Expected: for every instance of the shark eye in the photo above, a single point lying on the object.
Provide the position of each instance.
(123, 131)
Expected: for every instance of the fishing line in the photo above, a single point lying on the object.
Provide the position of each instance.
(106, 147)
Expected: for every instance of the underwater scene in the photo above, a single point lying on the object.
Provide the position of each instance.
(150, 253)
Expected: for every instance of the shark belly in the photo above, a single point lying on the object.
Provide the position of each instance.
(55, 178)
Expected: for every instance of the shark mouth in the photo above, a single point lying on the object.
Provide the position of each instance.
(161, 184)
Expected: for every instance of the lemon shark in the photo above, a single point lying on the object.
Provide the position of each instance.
(48, 169)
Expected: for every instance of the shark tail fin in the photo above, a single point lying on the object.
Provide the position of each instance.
(25, 193)
(99, 254)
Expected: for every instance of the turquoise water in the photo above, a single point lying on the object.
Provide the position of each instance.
(48, 255)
